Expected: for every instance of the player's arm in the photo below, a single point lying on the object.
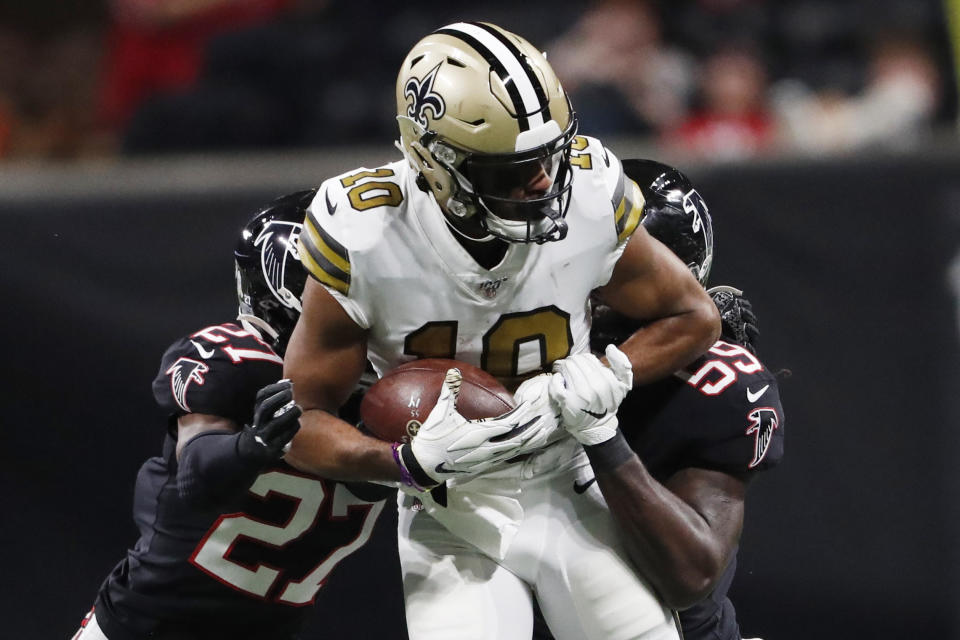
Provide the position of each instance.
(680, 534)
(192, 425)
(217, 457)
(325, 359)
(679, 322)
(650, 283)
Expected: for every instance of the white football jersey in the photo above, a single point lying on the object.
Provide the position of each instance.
(383, 249)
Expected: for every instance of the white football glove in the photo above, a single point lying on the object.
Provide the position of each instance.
(447, 444)
(588, 393)
(534, 396)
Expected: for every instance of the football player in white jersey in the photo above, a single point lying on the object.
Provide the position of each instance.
(483, 244)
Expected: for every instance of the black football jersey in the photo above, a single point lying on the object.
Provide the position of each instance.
(242, 569)
(722, 412)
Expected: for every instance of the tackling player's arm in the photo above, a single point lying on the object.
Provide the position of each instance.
(204, 474)
(650, 283)
(325, 359)
(680, 534)
(216, 457)
(193, 424)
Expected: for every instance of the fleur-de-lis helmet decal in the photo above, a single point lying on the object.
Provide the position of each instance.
(423, 97)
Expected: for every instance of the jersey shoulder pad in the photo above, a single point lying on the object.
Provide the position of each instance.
(732, 405)
(218, 371)
(600, 170)
(348, 216)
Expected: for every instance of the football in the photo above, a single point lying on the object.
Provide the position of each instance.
(395, 406)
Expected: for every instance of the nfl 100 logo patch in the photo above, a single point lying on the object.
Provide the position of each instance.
(489, 288)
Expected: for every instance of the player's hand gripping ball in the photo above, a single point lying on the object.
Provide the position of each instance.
(396, 405)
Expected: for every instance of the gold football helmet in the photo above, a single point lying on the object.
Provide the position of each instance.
(486, 124)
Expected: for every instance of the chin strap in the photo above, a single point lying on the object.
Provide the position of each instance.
(487, 238)
(560, 226)
(256, 325)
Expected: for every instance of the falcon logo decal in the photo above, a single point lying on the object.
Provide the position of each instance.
(763, 423)
(694, 205)
(182, 373)
(423, 97)
(276, 256)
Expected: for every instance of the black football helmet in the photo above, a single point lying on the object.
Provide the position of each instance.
(270, 277)
(675, 214)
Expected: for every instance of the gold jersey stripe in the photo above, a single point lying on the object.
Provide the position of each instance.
(332, 250)
(323, 257)
(316, 271)
(618, 192)
(319, 258)
(629, 211)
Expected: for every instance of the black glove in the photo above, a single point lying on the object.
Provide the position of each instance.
(739, 322)
(610, 327)
(276, 419)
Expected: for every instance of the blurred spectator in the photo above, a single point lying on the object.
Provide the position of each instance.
(195, 75)
(12, 55)
(898, 103)
(621, 76)
(6, 125)
(46, 92)
(733, 121)
(279, 84)
(158, 45)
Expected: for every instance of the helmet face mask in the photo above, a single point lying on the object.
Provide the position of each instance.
(270, 278)
(486, 124)
(524, 196)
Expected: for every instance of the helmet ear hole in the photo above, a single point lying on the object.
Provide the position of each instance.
(422, 183)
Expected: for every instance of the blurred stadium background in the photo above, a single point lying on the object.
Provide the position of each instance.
(136, 137)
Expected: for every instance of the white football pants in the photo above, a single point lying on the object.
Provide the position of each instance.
(564, 550)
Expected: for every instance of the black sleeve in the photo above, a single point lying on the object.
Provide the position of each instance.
(218, 371)
(745, 436)
(211, 468)
(370, 491)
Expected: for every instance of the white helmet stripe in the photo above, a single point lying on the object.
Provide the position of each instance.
(532, 76)
(530, 105)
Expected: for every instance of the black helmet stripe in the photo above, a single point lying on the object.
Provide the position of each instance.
(500, 70)
(509, 67)
(524, 62)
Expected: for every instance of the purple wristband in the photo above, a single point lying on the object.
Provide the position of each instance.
(405, 476)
